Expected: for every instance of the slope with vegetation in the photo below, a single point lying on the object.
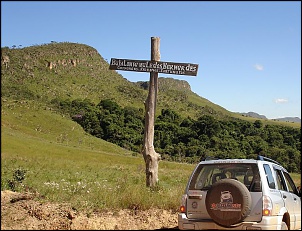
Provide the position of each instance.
(71, 130)
(77, 71)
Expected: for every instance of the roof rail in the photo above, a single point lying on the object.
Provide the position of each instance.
(259, 157)
(210, 158)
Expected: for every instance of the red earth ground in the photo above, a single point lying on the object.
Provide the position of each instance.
(22, 212)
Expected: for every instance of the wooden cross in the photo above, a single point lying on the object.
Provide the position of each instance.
(154, 66)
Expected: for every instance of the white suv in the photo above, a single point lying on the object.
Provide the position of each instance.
(240, 194)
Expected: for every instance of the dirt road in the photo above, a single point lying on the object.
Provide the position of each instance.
(22, 212)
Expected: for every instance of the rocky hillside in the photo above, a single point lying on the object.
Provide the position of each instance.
(77, 71)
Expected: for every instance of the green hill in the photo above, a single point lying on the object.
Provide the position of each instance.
(45, 151)
(77, 71)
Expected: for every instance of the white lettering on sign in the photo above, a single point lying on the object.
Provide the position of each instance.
(154, 66)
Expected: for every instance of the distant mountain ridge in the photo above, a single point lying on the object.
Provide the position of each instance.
(285, 119)
(48, 72)
(253, 114)
(289, 119)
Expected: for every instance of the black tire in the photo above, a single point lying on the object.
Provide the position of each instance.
(228, 202)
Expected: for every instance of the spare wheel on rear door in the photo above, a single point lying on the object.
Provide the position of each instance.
(228, 202)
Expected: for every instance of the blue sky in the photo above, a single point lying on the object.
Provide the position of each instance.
(249, 52)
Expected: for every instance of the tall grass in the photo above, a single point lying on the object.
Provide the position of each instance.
(86, 178)
(94, 176)
(41, 152)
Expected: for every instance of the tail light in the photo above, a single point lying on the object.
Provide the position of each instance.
(267, 206)
(182, 207)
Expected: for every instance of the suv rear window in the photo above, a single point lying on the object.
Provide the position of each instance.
(207, 174)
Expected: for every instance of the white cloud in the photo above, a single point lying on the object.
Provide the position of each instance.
(281, 100)
(259, 67)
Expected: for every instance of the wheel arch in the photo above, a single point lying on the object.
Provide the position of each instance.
(286, 219)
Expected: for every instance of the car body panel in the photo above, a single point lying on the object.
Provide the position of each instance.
(262, 183)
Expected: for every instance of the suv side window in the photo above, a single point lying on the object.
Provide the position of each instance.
(290, 184)
(285, 182)
(280, 180)
(269, 176)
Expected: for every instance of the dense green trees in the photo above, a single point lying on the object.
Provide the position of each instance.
(185, 139)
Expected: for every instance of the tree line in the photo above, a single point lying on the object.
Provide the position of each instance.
(186, 139)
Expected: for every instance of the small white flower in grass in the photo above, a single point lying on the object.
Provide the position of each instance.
(52, 184)
(97, 183)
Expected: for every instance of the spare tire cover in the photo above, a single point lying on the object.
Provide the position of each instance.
(228, 202)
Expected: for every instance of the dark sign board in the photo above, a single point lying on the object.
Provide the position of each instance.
(153, 66)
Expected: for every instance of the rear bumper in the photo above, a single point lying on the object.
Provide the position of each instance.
(267, 223)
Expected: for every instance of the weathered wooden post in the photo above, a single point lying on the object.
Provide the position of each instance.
(154, 66)
(151, 157)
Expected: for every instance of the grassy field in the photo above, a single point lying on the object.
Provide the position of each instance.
(88, 178)
(44, 152)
